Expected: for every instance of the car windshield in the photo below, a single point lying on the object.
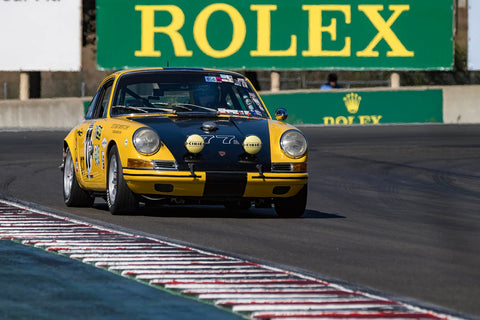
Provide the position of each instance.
(186, 94)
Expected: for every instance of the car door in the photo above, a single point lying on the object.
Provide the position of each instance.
(90, 140)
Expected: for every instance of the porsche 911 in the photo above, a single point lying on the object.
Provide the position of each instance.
(184, 136)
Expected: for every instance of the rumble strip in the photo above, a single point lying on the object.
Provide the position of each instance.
(249, 289)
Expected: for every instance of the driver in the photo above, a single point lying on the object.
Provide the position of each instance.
(207, 96)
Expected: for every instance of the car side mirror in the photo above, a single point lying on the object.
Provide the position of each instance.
(281, 114)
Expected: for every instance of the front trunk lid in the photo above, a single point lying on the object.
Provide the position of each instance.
(223, 138)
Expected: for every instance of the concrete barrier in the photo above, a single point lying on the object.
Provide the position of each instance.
(461, 104)
(59, 113)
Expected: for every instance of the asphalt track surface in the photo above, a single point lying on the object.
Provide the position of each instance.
(392, 208)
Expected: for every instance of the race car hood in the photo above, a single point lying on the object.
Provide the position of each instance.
(223, 149)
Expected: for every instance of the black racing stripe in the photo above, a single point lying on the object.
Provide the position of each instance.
(225, 184)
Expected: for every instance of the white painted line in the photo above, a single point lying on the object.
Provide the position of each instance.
(299, 299)
(207, 285)
(61, 227)
(321, 291)
(187, 266)
(121, 265)
(208, 276)
(36, 223)
(154, 270)
(66, 234)
(310, 307)
(18, 220)
(153, 257)
(139, 250)
(117, 241)
(345, 315)
(122, 256)
(107, 246)
(257, 296)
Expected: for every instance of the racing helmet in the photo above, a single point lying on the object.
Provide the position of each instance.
(207, 95)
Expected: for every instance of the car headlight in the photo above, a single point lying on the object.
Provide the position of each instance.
(293, 143)
(146, 141)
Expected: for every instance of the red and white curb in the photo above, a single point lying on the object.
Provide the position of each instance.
(249, 289)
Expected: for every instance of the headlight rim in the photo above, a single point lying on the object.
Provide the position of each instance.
(285, 151)
(137, 148)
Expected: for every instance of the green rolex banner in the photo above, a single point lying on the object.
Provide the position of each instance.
(280, 34)
(359, 107)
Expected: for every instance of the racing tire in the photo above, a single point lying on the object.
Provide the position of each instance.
(120, 198)
(292, 207)
(73, 194)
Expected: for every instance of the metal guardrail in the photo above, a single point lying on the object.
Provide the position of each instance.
(302, 83)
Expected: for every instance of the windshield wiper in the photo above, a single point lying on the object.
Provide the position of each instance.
(130, 108)
(184, 106)
(194, 106)
(144, 109)
(174, 105)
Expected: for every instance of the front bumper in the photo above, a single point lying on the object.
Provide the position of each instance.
(214, 184)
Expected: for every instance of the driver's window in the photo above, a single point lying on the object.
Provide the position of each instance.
(107, 89)
(98, 106)
(91, 107)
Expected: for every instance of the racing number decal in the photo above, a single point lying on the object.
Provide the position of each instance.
(226, 139)
(88, 151)
(98, 132)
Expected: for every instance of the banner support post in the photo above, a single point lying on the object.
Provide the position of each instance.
(24, 92)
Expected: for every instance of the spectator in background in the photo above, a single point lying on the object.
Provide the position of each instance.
(331, 82)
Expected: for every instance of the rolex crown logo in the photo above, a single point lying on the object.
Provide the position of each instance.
(352, 102)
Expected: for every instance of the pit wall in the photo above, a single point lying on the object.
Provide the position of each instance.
(451, 104)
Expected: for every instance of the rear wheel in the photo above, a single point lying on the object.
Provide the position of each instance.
(292, 207)
(73, 194)
(120, 198)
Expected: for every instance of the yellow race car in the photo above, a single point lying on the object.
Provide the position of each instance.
(184, 135)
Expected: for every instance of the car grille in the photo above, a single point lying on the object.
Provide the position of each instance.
(282, 167)
(164, 165)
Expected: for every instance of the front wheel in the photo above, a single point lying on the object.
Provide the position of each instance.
(120, 198)
(292, 207)
(73, 194)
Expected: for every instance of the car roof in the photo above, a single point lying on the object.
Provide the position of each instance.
(119, 73)
(170, 69)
